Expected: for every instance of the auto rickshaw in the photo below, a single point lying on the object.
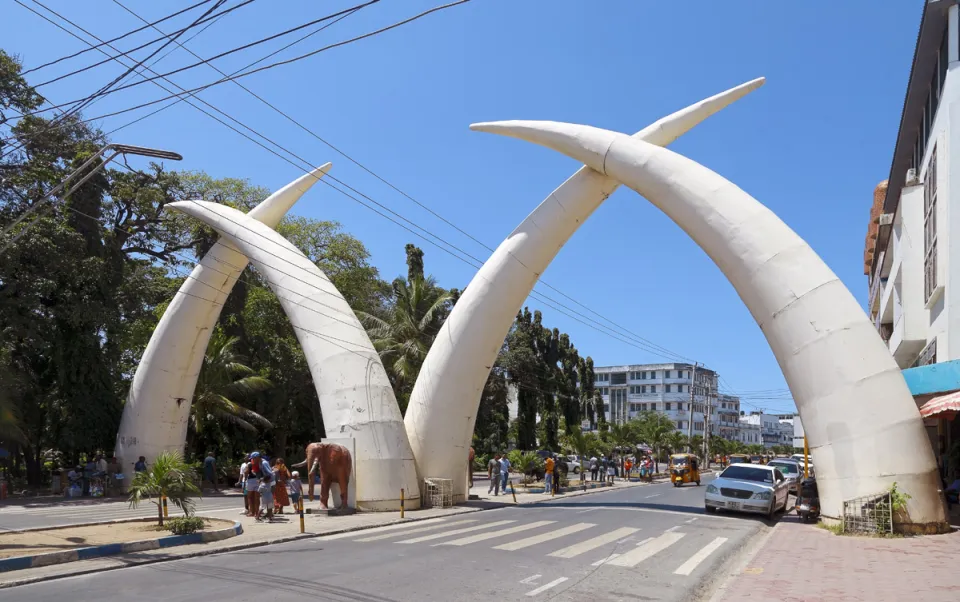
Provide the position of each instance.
(684, 468)
(739, 459)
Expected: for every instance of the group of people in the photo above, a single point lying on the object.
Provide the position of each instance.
(605, 468)
(498, 469)
(88, 479)
(265, 486)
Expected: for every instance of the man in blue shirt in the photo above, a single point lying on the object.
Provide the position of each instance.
(504, 472)
(210, 470)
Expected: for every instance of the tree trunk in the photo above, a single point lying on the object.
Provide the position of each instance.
(160, 511)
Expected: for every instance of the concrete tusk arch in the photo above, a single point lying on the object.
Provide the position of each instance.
(356, 398)
(158, 404)
(864, 428)
(443, 405)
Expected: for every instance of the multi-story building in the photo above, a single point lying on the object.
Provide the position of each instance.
(771, 432)
(909, 257)
(725, 421)
(667, 388)
(749, 434)
(787, 429)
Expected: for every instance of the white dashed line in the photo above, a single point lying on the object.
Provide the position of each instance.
(529, 580)
(546, 586)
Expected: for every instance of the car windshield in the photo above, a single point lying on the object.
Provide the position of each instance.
(786, 467)
(678, 461)
(746, 473)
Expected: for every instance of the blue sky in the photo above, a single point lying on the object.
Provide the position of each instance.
(811, 144)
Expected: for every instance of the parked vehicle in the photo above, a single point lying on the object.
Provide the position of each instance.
(808, 500)
(684, 468)
(751, 488)
(739, 459)
(573, 464)
(792, 471)
(757, 460)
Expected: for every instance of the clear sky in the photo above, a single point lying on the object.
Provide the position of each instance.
(811, 144)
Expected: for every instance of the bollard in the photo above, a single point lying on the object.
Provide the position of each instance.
(512, 491)
(302, 527)
(401, 503)
(166, 514)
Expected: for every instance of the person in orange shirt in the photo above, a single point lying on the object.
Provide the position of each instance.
(548, 475)
(627, 465)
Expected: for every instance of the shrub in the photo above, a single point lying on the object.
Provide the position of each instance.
(185, 525)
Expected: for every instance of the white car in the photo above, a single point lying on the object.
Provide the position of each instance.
(798, 458)
(573, 464)
(757, 488)
(791, 470)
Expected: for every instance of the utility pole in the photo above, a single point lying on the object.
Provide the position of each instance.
(693, 387)
(706, 424)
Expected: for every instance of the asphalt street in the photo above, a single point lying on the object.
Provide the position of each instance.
(646, 543)
(48, 512)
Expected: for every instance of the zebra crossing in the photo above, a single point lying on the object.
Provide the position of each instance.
(622, 547)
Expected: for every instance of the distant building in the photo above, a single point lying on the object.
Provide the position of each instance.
(749, 434)
(630, 389)
(725, 421)
(771, 431)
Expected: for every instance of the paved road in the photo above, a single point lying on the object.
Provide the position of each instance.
(648, 543)
(50, 513)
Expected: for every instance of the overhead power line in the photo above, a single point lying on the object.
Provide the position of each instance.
(120, 37)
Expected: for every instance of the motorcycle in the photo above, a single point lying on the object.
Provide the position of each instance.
(808, 500)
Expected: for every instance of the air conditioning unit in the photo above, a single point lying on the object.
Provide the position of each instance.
(912, 177)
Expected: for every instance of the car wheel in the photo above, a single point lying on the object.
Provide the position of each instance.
(710, 509)
(772, 513)
(698, 483)
(576, 470)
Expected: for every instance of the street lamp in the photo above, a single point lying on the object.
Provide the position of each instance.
(117, 149)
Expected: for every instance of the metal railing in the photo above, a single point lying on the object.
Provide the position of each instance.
(868, 514)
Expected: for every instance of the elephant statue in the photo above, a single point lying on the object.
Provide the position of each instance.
(334, 463)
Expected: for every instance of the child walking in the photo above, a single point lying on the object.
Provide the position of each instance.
(266, 498)
(296, 490)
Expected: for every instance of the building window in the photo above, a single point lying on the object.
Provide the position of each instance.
(653, 374)
(666, 406)
(653, 388)
(928, 355)
(930, 228)
(618, 378)
(666, 389)
(680, 425)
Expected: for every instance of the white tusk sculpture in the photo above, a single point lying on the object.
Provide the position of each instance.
(863, 426)
(356, 398)
(158, 405)
(443, 405)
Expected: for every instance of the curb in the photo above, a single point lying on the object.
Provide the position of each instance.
(570, 488)
(49, 558)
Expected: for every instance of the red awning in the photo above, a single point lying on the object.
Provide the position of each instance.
(944, 406)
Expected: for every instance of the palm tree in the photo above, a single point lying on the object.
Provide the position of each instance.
(696, 444)
(168, 477)
(225, 381)
(403, 340)
(623, 436)
(654, 429)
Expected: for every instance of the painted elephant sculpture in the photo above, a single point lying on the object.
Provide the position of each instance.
(334, 463)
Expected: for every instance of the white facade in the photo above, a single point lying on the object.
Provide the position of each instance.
(749, 434)
(771, 432)
(913, 263)
(631, 389)
(725, 418)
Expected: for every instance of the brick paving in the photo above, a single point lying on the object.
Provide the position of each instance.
(803, 563)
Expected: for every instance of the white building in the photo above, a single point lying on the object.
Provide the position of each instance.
(667, 388)
(910, 258)
(725, 421)
(771, 431)
(749, 434)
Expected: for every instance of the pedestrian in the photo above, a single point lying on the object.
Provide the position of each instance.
(611, 471)
(254, 473)
(242, 484)
(493, 473)
(603, 468)
(282, 474)
(296, 489)
(627, 467)
(266, 498)
(548, 466)
(504, 472)
(210, 470)
(140, 465)
(556, 475)
(594, 468)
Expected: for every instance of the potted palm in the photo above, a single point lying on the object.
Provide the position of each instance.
(167, 477)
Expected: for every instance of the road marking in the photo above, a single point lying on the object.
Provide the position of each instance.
(546, 586)
(600, 562)
(529, 580)
(654, 495)
(394, 527)
(690, 565)
(485, 536)
(531, 541)
(456, 532)
(594, 543)
(587, 510)
(405, 532)
(719, 517)
(672, 529)
(691, 520)
(648, 549)
(640, 543)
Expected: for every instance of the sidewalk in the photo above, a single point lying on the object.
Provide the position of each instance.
(804, 563)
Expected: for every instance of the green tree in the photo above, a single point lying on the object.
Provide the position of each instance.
(168, 477)
(491, 429)
(225, 383)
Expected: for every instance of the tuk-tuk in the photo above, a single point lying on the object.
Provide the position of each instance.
(739, 459)
(757, 460)
(684, 468)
